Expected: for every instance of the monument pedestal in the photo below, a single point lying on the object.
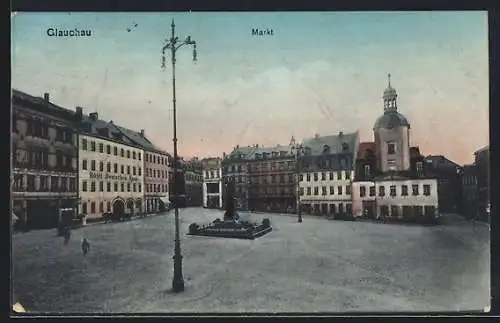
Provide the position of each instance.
(230, 229)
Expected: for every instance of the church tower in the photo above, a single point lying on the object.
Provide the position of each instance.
(392, 135)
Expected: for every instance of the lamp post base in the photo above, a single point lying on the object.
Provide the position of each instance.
(178, 281)
(178, 285)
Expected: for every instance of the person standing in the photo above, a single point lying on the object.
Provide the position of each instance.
(85, 246)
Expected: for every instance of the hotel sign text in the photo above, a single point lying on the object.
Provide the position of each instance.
(130, 178)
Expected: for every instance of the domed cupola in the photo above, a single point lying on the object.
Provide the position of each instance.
(391, 117)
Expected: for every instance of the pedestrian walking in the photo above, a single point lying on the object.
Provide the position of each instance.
(85, 246)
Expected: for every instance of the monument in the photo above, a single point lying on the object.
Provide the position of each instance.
(231, 226)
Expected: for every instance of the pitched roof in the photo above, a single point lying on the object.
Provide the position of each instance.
(415, 152)
(140, 140)
(251, 152)
(334, 142)
(364, 147)
(40, 102)
(438, 161)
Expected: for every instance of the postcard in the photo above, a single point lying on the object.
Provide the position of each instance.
(250, 162)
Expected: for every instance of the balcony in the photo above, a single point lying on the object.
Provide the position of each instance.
(43, 168)
(41, 140)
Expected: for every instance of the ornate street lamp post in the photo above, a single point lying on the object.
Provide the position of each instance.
(174, 44)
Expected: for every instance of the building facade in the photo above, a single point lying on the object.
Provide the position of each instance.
(156, 169)
(236, 165)
(399, 185)
(212, 183)
(156, 181)
(449, 176)
(327, 169)
(111, 173)
(193, 177)
(469, 190)
(482, 162)
(177, 184)
(271, 178)
(44, 160)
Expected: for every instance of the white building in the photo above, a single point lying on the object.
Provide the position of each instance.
(398, 187)
(110, 170)
(326, 170)
(396, 197)
(156, 170)
(363, 198)
(326, 192)
(212, 183)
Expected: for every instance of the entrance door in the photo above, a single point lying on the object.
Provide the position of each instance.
(369, 209)
(130, 207)
(118, 209)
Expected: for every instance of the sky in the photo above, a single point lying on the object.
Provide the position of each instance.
(318, 73)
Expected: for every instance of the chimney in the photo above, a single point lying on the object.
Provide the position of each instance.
(46, 97)
(94, 115)
(111, 121)
(316, 136)
(341, 133)
(79, 110)
(223, 155)
(142, 132)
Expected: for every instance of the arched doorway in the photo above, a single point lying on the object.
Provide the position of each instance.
(130, 207)
(138, 205)
(118, 209)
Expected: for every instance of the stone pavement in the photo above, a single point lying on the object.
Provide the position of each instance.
(316, 266)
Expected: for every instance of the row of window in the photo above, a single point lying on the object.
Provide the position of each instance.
(156, 173)
(44, 183)
(260, 167)
(324, 190)
(135, 170)
(39, 128)
(212, 174)
(273, 179)
(393, 191)
(39, 158)
(193, 177)
(156, 188)
(123, 153)
(272, 191)
(331, 176)
(156, 159)
(101, 207)
(131, 187)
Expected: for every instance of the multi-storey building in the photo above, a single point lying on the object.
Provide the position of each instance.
(44, 160)
(469, 190)
(399, 185)
(155, 165)
(271, 176)
(235, 165)
(193, 179)
(110, 170)
(482, 162)
(212, 183)
(326, 170)
(177, 190)
(449, 176)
